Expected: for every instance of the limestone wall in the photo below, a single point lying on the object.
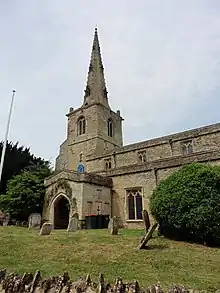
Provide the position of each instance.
(29, 283)
(96, 197)
(84, 191)
(95, 140)
(146, 181)
(61, 160)
(204, 139)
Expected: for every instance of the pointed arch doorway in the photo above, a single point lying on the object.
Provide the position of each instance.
(60, 211)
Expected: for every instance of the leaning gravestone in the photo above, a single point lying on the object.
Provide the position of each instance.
(146, 220)
(147, 236)
(114, 225)
(73, 224)
(34, 220)
(46, 229)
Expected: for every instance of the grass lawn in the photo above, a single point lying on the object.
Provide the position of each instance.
(96, 251)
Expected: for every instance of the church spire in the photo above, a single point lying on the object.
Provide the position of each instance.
(96, 91)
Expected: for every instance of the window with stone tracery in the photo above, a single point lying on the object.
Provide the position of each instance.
(187, 147)
(81, 126)
(142, 157)
(134, 204)
(108, 163)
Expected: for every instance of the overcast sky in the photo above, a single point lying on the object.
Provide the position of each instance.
(161, 60)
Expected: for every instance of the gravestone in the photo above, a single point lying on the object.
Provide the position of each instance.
(34, 220)
(24, 224)
(46, 229)
(13, 222)
(148, 236)
(2, 216)
(146, 220)
(73, 224)
(114, 225)
(6, 220)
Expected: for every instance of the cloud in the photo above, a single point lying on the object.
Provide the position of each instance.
(161, 62)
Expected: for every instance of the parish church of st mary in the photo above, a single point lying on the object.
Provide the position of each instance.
(96, 174)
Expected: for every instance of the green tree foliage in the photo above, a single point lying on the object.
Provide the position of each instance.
(187, 204)
(25, 193)
(17, 158)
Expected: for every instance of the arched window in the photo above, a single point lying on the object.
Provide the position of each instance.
(134, 204)
(131, 208)
(108, 164)
(81, 126)
(142, 156)
(110, 128)
(187, 147)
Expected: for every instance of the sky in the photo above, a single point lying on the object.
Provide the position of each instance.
(161, 60)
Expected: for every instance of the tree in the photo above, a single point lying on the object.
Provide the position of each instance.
(17, 158)
(187, 204)
(25, 193)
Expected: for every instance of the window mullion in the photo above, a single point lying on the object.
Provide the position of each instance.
(135, 207)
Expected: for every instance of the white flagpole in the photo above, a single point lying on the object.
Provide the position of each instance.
(6, 135)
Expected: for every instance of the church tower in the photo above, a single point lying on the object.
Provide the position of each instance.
(93, 128)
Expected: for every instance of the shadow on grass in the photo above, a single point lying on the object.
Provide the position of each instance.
(155, 247)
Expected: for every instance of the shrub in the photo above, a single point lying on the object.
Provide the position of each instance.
(187, 204)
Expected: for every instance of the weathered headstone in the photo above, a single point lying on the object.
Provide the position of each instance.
(13, 222)
(24, 224)
(6, 220)
(2, 216)
(73, 225)
(46, 229)
(148, 236)
(34, 220)
(114, 225)
(146, 220)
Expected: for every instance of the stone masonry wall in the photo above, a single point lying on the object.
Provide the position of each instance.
(204, 139)
(95, 140)
(29, 283)
(82, 190)
(146, 181)
(96, 197)
(61, 160)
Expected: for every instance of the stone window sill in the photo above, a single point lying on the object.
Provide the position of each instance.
(134, 221)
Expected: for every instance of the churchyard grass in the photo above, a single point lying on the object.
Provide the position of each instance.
(95, 251)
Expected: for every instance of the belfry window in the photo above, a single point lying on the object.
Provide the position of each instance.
(110, 128)
(134, 204)
(187, 147)
(81, 126)
(108, 164)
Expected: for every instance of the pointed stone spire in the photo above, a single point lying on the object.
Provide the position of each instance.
(96, 91)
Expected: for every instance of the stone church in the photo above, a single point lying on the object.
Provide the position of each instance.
(96, 174)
